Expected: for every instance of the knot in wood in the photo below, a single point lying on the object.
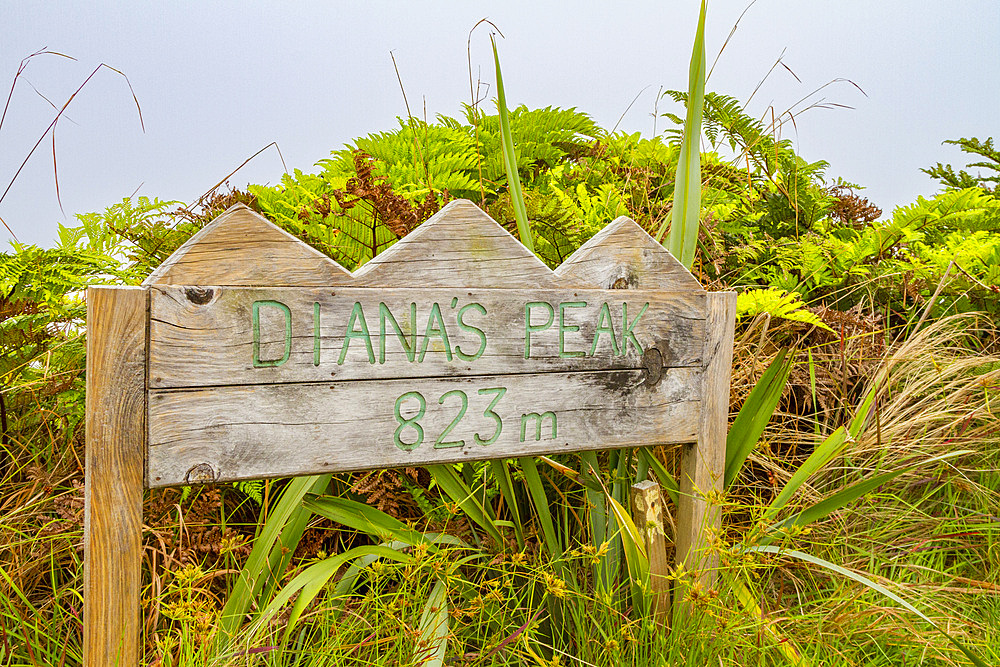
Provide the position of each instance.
(199, 295)
(200, 474)
(627, 279)
(652, 363)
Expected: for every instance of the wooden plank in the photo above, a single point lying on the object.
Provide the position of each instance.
(241, 247)
(647, 513)
(459, 245)
(703, 463)
(216, 336)
(231, 433)
(116, 448)
(624, 256)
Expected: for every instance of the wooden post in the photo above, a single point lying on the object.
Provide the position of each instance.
(647, 512)
(703, 463)
(115, 467)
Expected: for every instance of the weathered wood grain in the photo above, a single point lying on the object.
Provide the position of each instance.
(205, 336)
(703, 463)
(240, 247)
(623, 255)
(231, 433)
(116, 449)
(647, 513)
(459, 246)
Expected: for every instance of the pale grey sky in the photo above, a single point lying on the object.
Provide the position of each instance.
(219, 80)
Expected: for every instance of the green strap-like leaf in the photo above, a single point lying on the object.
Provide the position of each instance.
(500, 469)
(822, 455)
(255, 573)
(542, 510)
(460, 493)
(510, 160)
(683, 237)
(367, 519)
(433, 638)
(281, 554)
(846, 496)
(667, 481)
(312, 580)
(755, 414)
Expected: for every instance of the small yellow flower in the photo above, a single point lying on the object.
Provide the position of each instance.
(554, 585)
(230, 543)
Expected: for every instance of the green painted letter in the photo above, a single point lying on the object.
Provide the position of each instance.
(539, 419)
(627, 335)
(498, 393)
(468, 327)
(255, 317)
(409, 347)
(530, 328)
(605, 316)
(440, 331)
(563, 328)
(357, 316)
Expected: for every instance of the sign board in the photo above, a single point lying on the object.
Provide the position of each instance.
(258, 382)
(248, 354)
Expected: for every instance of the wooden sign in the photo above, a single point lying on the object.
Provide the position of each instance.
(248, 354)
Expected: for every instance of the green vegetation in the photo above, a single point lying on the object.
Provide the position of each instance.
(862, 483)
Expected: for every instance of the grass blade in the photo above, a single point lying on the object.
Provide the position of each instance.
(460, 493)
(500, 470)
(634, 547)
(541, 503)
(433, 629)
(510, 160)
(683, 237)
(784, 644)
(849, 495)
(755, 414)
(861, 579)
(254, 574)
(597, 515)
(367, 519)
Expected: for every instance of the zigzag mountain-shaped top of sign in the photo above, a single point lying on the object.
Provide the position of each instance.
(241, 247)
(460, 246)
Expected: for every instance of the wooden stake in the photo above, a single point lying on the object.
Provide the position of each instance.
(647, 512)
(116, 446)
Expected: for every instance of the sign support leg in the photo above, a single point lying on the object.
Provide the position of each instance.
(115, 468)
(703, 463)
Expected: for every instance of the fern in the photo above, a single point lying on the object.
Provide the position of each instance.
(252, 489)
(963, 180)
(776, 303)
(417, 159)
